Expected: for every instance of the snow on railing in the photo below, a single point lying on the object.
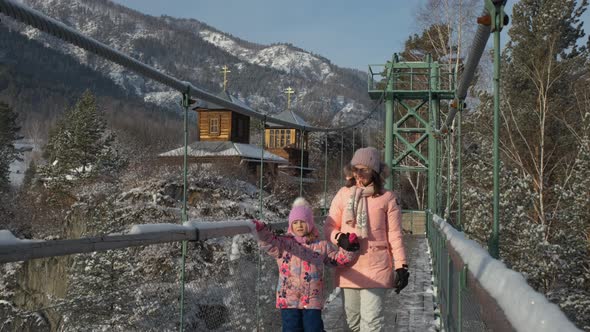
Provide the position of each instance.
(13, 249)
(525, 309)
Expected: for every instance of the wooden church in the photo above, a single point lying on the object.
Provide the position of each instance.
(224, 136)
(288, 142)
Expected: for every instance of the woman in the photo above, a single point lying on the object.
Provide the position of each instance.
(374, 214)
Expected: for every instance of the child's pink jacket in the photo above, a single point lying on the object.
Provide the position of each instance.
(301, 273)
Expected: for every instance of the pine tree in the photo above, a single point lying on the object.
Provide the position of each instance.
(8, 134)
(80, 146)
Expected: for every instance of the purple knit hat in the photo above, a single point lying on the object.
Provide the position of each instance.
(369, 157)
(301, 210)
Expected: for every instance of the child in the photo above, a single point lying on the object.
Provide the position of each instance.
(300, 256)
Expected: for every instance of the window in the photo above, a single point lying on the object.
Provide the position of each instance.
(289, 136)
(282, 137)
(214, 126)
(271, 139)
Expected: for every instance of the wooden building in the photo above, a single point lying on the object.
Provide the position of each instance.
(288, 142)
(224, 136)
(217, 123)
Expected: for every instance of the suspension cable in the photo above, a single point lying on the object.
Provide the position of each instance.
(324, 207)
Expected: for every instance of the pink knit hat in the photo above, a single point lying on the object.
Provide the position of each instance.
(301, 210)
(369, 157)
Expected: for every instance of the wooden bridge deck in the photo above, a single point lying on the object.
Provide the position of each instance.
(412, 309)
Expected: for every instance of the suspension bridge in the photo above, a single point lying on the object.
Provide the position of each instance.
(455, 285)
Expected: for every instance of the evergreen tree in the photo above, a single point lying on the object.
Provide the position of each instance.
(80, 146)
(544, 155)
(542, 63)
(8, 134)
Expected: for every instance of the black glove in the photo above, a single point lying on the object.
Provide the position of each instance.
(348, 242)
(401, 278)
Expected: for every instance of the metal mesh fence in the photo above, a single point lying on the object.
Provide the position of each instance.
(229, 286)
(461, 305)
(471, 319)
(118, 290)
(240, 296)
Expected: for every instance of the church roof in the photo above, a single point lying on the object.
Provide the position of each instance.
(288, 116)
(208, 149)
(223, 94)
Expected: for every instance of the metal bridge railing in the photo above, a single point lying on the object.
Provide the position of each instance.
(227, 286)
(411, 78)
(478, 293)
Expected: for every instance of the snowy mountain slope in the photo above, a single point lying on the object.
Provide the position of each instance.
(280, 57)
(193, 51)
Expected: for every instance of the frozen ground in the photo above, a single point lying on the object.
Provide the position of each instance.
(412, 309)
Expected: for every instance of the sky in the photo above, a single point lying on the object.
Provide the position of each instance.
(350, 33)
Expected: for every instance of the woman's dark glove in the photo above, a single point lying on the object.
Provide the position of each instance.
(348, 242)
(401, 278)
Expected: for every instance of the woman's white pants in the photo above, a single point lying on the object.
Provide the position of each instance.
(364, 309)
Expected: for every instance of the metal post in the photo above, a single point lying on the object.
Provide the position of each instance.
(184, 217)
(459, 138)
(432, 142)
(448, 286)
(448, 207)
(462, 285)
(353, 142)
(494, 244)
(262, 141)
(342, 156)
(260, 216)
(389, 124)
(301, 164)
(324, 208)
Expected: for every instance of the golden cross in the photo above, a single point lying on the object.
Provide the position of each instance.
(225, 71)
(289, 91)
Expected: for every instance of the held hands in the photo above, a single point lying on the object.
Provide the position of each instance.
(401, 278)
(348, 241)
(259, 225)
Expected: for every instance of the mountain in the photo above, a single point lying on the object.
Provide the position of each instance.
(193, 51)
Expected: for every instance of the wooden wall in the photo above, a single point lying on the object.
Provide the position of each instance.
(225, 125)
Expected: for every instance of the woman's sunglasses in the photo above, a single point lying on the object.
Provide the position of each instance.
(361, 171)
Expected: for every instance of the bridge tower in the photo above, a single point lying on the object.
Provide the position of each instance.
(413, 141)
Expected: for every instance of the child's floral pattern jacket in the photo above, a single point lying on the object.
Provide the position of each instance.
(301, 268)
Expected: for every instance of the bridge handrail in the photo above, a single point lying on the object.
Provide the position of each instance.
(523, 307)
(49, 25)
(15, 250)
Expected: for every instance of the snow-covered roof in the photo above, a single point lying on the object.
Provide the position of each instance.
(288, 116)
(225, 149)
(203, 104)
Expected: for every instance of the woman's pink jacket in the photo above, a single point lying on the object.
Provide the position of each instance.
(301, 268)
(381, 252)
